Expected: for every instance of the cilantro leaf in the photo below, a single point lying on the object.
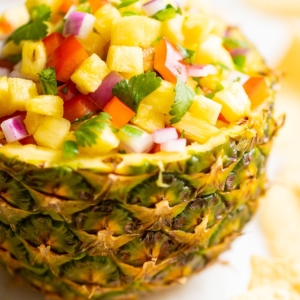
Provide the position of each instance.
(125, 3)
(87, 133)
(165, 14)
(239, 61)
(132, 131)
(138, 87)
(48, 81)
(184, 98)
(34, 30)
(39, 12)
(129, 13)
(70, 149)
(188, 55)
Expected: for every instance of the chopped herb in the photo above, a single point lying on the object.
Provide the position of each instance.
(156, 41)
(165, 14)
(85, 117)
(85, 7)
(129, 13)
(39, 12)
(48, 81)
(132, 92)
(184, 98)
(231, 43)
(15, 58)
(125, 3)
(199, 91)
(239, 61)
(82, 1)
(182, 134)
(132, 131)
(188, 55)
(70, 149)
(34, 30)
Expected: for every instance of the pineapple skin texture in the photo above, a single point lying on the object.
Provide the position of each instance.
(106, 229)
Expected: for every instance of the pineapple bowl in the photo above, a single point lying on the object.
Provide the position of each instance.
(134, 140)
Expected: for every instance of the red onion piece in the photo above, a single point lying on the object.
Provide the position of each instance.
(14, 129)
(104, 92)
(17, 74)
(164, 135)
(174, 146)
(239, 51)
(152, 7)
(4, 72)
(201, 70)
(79, 24)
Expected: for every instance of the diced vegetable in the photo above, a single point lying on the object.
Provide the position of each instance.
(168, 62)
(135, 31)
(52, 42)
(174, 145)
(28, 140)
(66, 4)
(104, 93)
(201, 70)
(52, 132)
(119, 112)
(14, 129)
(79, 24)
(89, 75)
(235, 102)
(152, 7)
(67, 58)
(68, 91)
(125, 59)
(46, 105)
(164, 135)
(257, 90)
(78, 107)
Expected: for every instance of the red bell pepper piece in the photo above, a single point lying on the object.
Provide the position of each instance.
(28, 140)
(68, 91)
(52, 42)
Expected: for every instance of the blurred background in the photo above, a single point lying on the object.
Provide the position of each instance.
(274, 27)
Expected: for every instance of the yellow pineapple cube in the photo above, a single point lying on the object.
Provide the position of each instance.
(106, 142)
(94, 43)
(196, 129)
(125, 59)
(135, 31)
(5, 105)
(196, 28)
(46, 105)
(162, 98)
(205, 109)
(20, 91)
(172, 29)
(10, 49)
(34, 58)
(212, 51)
(133, 8)
(33, 121)
(105, 15)
(90, 74)
(52, 132)
(53, 4)
(235, 102)
(148, 119)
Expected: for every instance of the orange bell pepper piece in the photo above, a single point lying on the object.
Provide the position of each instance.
(52, 42)
(96, 4)
(168, 62)
(5, 27)
(257, 90)
(64, 8)
(67, 58)
(120, 113)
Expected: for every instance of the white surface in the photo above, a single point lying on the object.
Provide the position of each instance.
(231, 275)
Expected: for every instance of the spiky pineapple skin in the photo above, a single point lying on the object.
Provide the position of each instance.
(81, 233)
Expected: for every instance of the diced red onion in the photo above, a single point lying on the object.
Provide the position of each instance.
(104, 92)
(17, 74)
(4, 71)
(14, 129)
(201, 70)
(164, 135)
(239, 51)
(71, 9)
(79, 24)
(153, 6)
(237, 76)
(174, 146)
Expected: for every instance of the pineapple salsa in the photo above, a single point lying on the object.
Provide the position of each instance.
(98, 77)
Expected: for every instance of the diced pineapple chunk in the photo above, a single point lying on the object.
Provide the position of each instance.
(33, 121)
(105, 15)
(205, 109)
(94, 43)
(196, 28)
(235, 102)
(5, 105)
(34, 58)
(135, 7)
(212, 51)
(162, 98)
(52, 132)
(172, 29)
(135, 31)
(125, 59)
(53, 4)
(46, 105)
(106, 142)
(195, 128)
(10, 49)
(20, 91)
(148, 119)
(90, 74)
